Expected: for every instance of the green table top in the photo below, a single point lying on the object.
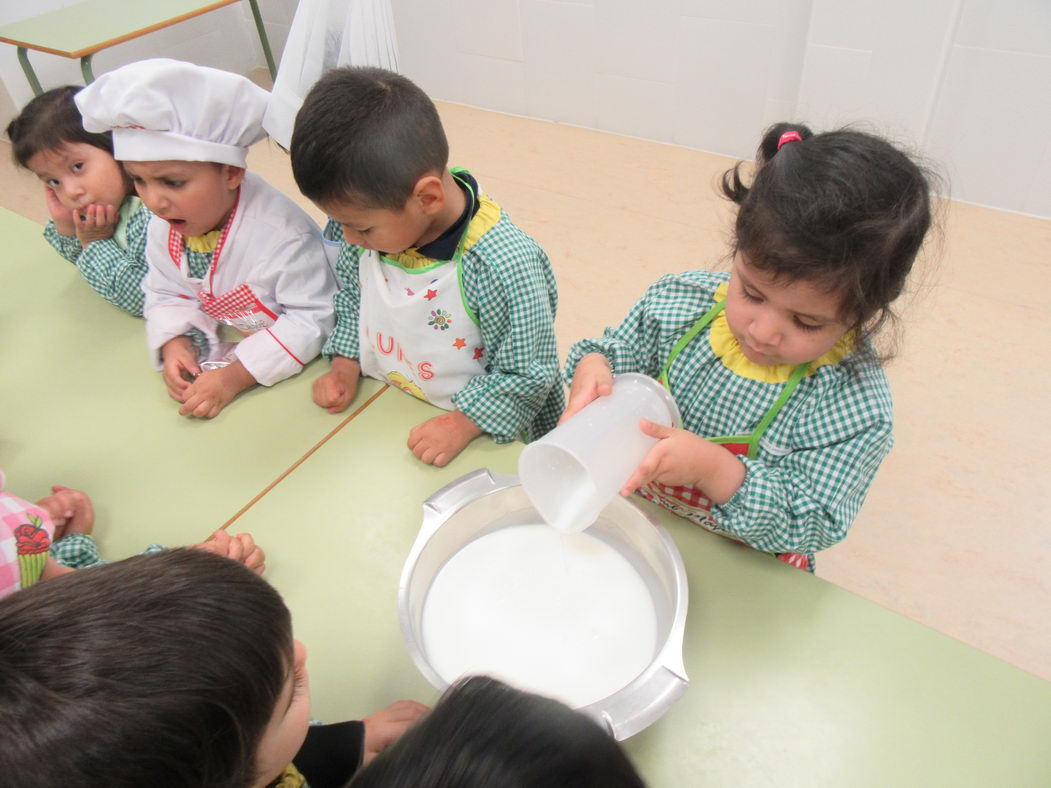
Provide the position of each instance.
(794, 681)
(82, 406)
(87, 27)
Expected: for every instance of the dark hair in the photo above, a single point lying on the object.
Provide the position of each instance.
(365, 136)
(483, 733)
(161, 670)
(844, 209)
(50, 121)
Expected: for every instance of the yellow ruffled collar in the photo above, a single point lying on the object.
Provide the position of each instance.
(726, 347)
(202, 243)
(289, 778)
(487, 215)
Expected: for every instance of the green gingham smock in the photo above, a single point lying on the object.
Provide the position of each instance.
(817, 459)
(508, 283)
(114, 270)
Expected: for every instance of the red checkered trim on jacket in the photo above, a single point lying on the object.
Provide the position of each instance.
(233, 304)
(685, 496)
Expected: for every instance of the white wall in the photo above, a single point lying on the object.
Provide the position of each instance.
(966, 82)
(225, 38)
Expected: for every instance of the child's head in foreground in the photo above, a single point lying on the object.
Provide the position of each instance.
(182, 133)
(369, 150)
(824, 239)
(48, 138)
(170, 669)
(483, 733)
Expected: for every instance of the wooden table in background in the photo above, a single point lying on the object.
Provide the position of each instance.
(82, 29)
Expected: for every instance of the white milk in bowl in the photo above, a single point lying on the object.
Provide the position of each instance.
(564, 615)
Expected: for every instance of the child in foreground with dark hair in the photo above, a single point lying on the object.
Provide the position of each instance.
(97, 222)
(483, 733)
(176, 669)
(786, 410)
(441, 294)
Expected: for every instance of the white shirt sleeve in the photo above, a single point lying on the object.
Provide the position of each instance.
(302, 284)
(171, 308)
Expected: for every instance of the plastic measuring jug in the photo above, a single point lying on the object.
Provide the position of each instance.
(571, 473)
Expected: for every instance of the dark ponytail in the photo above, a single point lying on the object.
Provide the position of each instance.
(844, 209)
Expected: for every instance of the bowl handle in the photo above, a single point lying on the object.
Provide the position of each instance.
(644, 703)
(453, 496)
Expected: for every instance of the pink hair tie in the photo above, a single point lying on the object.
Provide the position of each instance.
(789, 136)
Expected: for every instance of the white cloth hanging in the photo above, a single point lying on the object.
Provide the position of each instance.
(326, 34)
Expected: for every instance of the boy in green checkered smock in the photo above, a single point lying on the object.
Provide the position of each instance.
(441, 294)
(786, 411)
(97, 222)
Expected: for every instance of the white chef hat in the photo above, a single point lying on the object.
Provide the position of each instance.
(163, 109)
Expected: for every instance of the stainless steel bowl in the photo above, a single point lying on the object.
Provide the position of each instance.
(482, 502)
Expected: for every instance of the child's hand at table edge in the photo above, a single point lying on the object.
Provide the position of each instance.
(683, 458)
(335, 390)
(95, 223)
(60, 214)
(384, 727)
(438, 440)
(179, 366)
(70, 511)
(214, 389)
(241, 548)
(592, 379)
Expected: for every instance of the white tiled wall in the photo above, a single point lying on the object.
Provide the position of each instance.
(965, 82)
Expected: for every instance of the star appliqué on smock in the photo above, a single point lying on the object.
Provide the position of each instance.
(459, 343)
(431, 294)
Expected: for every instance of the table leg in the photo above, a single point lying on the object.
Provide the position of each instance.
(85, 69)
(263, 39)
(27, 69)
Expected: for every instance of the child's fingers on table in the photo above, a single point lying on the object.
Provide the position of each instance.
(175, 391)
(385, 726)
(83, 513)
(201, 407)
(408, 709)
(218, 542)
(221, 543)
(328, 392)
(253, 556)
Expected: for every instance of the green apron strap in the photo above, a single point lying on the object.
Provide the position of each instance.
(686, 338)
(797, 375)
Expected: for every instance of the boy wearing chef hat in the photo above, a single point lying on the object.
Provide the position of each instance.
(231, 259)
(442, 295)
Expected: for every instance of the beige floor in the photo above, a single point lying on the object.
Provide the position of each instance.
(956, 532)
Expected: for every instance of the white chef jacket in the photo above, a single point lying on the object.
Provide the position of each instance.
(273, 248)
